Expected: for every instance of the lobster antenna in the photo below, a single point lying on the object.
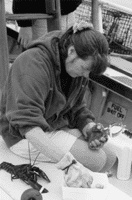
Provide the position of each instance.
(35, 159)
(29, 153)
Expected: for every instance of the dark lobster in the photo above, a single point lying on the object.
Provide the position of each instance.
(27, 173)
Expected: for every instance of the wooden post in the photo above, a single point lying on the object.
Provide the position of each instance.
(97, 15)
(4, 57)
(53, 7)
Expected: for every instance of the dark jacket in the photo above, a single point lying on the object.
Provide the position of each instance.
(33, 95)
(38, 6)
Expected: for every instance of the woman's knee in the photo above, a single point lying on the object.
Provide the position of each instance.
(99, 160)
(94, 160)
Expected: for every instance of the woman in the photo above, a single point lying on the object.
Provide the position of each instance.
(43, 100)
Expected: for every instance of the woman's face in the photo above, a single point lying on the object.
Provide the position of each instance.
(75, 66)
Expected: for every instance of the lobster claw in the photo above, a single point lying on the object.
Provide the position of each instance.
(37, 186)
(41, 173)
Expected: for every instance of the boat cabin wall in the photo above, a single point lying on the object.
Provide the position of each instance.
(109, 107)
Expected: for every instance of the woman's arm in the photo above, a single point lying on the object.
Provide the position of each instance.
(28, 87)
(41, 142)
(80, 115)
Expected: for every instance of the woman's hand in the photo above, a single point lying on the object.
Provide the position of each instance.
(25, 36)
(96, 135)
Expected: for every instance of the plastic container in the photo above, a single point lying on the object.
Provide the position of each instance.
(70, 193)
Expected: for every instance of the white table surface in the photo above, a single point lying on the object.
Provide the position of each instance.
(13, 189)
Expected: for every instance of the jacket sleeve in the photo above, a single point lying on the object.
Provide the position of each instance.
(28, 87)
(80, 115)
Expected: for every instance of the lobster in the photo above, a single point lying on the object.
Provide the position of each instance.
(27, 173)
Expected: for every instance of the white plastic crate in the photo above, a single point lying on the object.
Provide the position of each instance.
(70, 193)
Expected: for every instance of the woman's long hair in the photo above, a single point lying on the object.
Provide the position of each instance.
(87, 42)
